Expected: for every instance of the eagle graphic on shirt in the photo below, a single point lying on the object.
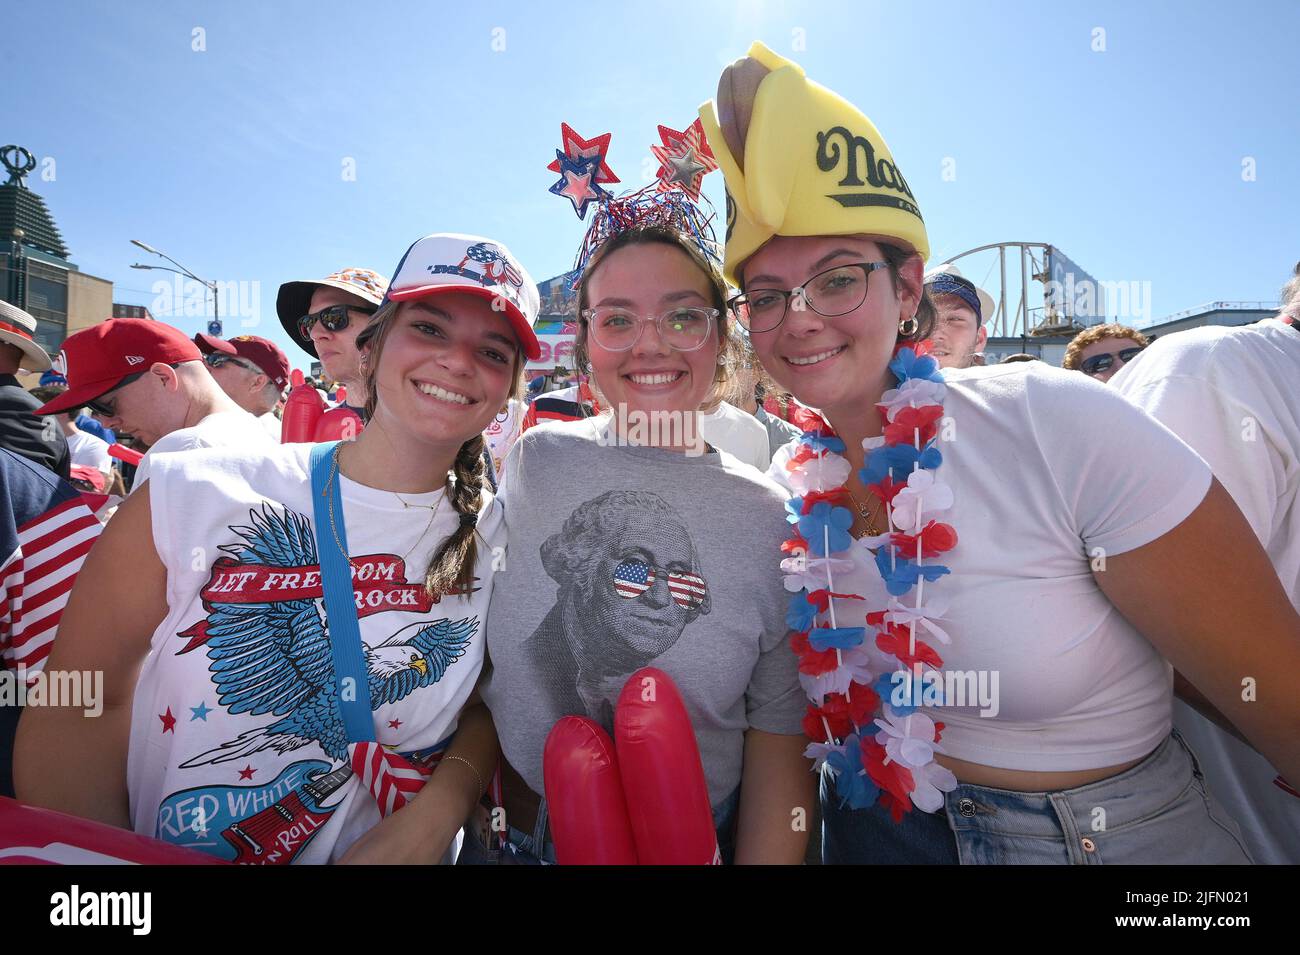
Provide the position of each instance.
(268, 644)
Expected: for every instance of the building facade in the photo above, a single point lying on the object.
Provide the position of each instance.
(35, 271)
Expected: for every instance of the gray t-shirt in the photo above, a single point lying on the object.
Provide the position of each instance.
(625, 557)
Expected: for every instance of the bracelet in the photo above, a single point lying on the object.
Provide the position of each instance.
(477, 777)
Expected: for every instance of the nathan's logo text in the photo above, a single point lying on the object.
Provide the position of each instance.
(838, 145)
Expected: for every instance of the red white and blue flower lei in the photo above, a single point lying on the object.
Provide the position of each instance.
(863, 720)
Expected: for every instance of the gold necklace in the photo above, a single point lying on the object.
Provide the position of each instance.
(867, 514)
(329, 501)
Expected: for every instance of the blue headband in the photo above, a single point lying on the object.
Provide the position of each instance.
(945, 283)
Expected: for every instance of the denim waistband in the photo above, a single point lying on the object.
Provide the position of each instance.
(1128, 798)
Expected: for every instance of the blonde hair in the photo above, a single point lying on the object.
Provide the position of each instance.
(1090, 336)
(451, 569)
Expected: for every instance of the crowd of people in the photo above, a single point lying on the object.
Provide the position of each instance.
(341, 631)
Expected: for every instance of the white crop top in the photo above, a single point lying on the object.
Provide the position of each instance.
(1050, 471)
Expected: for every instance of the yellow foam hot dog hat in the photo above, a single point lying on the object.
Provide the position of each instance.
(806, 162)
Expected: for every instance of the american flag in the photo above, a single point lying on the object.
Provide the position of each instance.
(688, 589)
(633, 578)
(391, 778)
(45, 534)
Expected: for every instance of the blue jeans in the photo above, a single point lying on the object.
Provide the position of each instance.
(521, 848)
(1157, 812)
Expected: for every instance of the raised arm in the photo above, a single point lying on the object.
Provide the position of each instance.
(1207, 597)
(63, 758)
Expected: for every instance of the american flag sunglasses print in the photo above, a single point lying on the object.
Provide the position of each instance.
(632, 578)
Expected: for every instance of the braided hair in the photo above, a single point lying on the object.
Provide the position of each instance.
(451, 571)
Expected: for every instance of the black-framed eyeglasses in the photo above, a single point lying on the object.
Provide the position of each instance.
(615, 328)
(105, 405)
(217, 359)
(1099, 363)
(335, 318)
(836, 291)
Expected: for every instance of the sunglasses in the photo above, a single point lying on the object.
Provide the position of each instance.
(335, 318)
(1099, 363)
(632, 578)
(217, 360)
(106, 407)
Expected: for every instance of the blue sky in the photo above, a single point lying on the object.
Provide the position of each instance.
(232, 159)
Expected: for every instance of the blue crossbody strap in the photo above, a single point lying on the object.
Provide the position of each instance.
(340, 607)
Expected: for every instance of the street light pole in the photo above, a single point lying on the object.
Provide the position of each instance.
(216, 297)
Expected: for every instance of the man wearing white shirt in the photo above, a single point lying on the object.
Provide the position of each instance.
(1231, 394)
(738, 433)
(148, 380)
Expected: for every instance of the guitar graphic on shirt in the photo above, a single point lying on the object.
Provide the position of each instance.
(259, 824)
(279, 832)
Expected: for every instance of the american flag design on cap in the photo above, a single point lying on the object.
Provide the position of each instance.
(632, 578)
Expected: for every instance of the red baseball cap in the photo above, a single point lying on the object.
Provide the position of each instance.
(263, 353)
(96, 360)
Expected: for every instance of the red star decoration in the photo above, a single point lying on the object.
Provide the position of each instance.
(677, 144)
(168, 721)
(247, 772)
(394, 724)
(575, 147)
(578, 189)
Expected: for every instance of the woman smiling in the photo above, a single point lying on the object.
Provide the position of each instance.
(290, 641)
(625, 532)
(978, 523)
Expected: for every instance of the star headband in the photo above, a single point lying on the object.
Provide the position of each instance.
(670, 202)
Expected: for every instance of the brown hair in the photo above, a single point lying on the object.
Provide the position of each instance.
(895, 257)
(662, 235)
(1090, 336)
(451, 570)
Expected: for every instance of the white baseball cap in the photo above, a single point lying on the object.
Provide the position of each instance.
(470, 264)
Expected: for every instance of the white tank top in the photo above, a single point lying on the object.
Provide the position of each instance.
(237, 744)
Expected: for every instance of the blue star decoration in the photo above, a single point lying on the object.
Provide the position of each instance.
(577, 182)
(200, 712)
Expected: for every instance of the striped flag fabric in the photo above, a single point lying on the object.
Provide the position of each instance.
(688, 589)
(391, 778)
(46, 531)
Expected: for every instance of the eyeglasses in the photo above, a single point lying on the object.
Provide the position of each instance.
(335, 318)
(217, 359)
(632, 578)
(106, 407)
(836, 291)
(1100, 363)
(615, 328)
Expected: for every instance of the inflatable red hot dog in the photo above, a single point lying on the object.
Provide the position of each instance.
(640, 799)
(33, 836)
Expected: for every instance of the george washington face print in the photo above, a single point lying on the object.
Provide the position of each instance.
(630, 582)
